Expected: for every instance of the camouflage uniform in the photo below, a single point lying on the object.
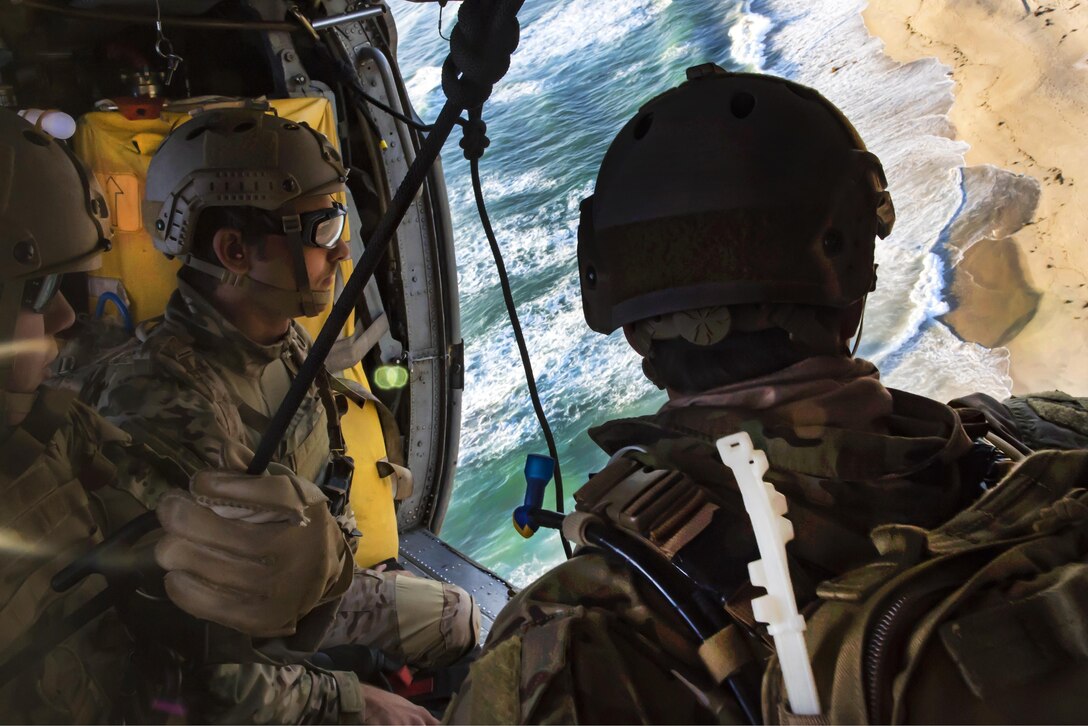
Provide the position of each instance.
(65, 487)
(590, 642)
(53, 465)
(1045, 420)
(197, 381)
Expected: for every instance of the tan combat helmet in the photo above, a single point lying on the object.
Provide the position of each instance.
(53, 219)
(731, 189)
(241, 158)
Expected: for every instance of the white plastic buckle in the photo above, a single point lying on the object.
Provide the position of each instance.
(766, 508)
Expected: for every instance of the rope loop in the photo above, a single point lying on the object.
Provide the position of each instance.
(486, 35)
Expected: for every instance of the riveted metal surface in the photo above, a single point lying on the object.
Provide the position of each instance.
(427, 555)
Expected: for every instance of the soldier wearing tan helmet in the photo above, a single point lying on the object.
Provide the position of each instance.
(66, 473)
(245, 200)
(731, 236)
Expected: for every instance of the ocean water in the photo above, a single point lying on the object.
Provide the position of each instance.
(581, 71)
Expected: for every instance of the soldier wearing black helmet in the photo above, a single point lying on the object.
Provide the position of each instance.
(63, 484)
(731, 236)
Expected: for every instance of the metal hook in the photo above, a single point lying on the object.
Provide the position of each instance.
(164, 48)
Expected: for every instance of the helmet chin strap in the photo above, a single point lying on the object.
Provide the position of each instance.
(11, 297)
(285, 301)
(292, 226)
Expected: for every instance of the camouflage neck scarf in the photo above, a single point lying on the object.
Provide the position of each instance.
(819, 391)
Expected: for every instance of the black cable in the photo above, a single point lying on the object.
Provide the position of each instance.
(351, 77)
(107, 558)
(441, 7)
(682, 594)
(365, 97)
(511, 310)
(677, 590)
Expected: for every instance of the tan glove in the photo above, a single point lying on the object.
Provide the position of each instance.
(253, 553)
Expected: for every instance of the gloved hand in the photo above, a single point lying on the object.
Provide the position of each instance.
(383, 707)
(253, 553)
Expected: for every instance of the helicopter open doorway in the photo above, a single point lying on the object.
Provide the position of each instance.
(111, 58)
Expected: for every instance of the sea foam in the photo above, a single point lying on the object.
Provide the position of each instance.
(582, 69)
(901, 110)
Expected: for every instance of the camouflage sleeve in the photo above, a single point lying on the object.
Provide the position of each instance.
(252, 693)
(173, 421)
(179, 425)
(1031, 422)
(178, 429)
(45, 521)
(584, 645)
(1050, 420)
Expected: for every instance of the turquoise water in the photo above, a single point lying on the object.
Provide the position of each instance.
(582, 69)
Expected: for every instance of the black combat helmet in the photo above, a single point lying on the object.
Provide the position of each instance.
(732, 188)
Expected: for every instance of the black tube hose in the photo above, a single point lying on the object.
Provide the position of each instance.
(677, 589)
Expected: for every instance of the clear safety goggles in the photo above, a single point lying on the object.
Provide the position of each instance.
(321, 227)
(39, 292)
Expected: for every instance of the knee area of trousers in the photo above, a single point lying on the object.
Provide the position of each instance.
(463, 619)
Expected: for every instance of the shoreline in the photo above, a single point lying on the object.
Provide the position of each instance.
(1019, 260)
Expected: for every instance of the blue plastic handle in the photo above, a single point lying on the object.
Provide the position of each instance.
(538, 472)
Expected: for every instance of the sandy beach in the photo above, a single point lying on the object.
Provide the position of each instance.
(1021, 74)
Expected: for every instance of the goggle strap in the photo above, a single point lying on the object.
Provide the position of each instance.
(11, 301)
(292, 224)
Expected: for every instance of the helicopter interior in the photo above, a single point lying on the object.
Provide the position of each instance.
(129, 72)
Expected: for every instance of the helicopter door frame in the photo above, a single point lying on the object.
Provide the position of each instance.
(422, 257)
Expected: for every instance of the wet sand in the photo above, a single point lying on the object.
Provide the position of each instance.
(1021, 73)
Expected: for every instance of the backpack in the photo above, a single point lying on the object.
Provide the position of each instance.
(983, 619)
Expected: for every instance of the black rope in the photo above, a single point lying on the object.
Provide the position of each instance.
(480, 48)
(474, 143)
(366, 98)
(375, 250)
(489, 34)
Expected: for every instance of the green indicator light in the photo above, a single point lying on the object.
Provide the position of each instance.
(388, 377)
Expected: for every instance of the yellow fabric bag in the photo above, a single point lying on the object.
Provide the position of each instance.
(118, 151)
